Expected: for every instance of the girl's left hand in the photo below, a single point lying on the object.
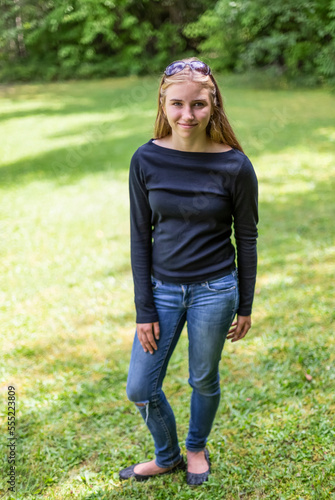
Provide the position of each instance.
(240, 328)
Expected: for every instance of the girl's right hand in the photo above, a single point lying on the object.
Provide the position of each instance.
(147, 334)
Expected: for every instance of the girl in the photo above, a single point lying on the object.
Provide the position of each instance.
(188, 187)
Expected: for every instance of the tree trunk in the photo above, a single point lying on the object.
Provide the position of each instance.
(18, 22)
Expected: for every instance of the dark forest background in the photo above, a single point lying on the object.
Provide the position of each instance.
(60, 39)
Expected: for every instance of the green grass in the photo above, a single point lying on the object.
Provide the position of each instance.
(66, 298)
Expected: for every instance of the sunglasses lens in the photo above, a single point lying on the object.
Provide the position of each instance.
(174, 68)
(201, 67)
(178, 66)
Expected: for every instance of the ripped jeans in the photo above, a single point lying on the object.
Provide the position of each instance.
(209, 309)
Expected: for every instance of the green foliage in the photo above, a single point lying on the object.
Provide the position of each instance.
(66, 298)
(297, 36)
(62, 39)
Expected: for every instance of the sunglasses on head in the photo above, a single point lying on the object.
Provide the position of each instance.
(178, 66)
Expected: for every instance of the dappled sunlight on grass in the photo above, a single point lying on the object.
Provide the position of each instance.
(67, 310)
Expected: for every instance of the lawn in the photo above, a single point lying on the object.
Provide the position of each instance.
(66, 298)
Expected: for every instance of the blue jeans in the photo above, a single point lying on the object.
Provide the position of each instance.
(209, 309)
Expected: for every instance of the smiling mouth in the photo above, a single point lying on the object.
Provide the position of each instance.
(187, 125)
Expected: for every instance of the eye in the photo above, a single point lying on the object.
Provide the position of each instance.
(176, 104)
(199, 104)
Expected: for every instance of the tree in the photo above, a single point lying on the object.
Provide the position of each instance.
(83, 38)
(295, 35)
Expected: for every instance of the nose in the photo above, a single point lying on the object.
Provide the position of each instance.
(188, 114)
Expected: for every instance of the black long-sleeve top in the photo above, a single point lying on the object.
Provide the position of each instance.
(182, 208)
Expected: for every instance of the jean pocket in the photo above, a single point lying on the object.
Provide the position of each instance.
(225, 284)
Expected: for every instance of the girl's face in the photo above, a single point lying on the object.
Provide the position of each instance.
(188, 110)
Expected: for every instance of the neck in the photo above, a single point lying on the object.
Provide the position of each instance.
(186, 144)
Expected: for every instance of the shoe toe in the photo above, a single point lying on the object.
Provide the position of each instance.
(193, 479)
(127, 473)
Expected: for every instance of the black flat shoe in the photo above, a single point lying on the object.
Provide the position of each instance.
(129, 471)
(194, 479)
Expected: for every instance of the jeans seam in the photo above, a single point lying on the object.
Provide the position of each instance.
(235, 303)
(155, 385)
(167, 350)
(166, 432)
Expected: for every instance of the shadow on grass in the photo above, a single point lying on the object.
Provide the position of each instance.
(62, 99)
(89, 422)
(100, 154)
(90, 425)
(69, 165)
(106, 143)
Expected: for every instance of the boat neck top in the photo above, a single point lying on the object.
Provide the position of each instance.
(183, 206)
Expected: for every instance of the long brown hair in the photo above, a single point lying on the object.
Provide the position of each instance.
(218, 128)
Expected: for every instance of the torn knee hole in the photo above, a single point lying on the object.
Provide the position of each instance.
(146, 405)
